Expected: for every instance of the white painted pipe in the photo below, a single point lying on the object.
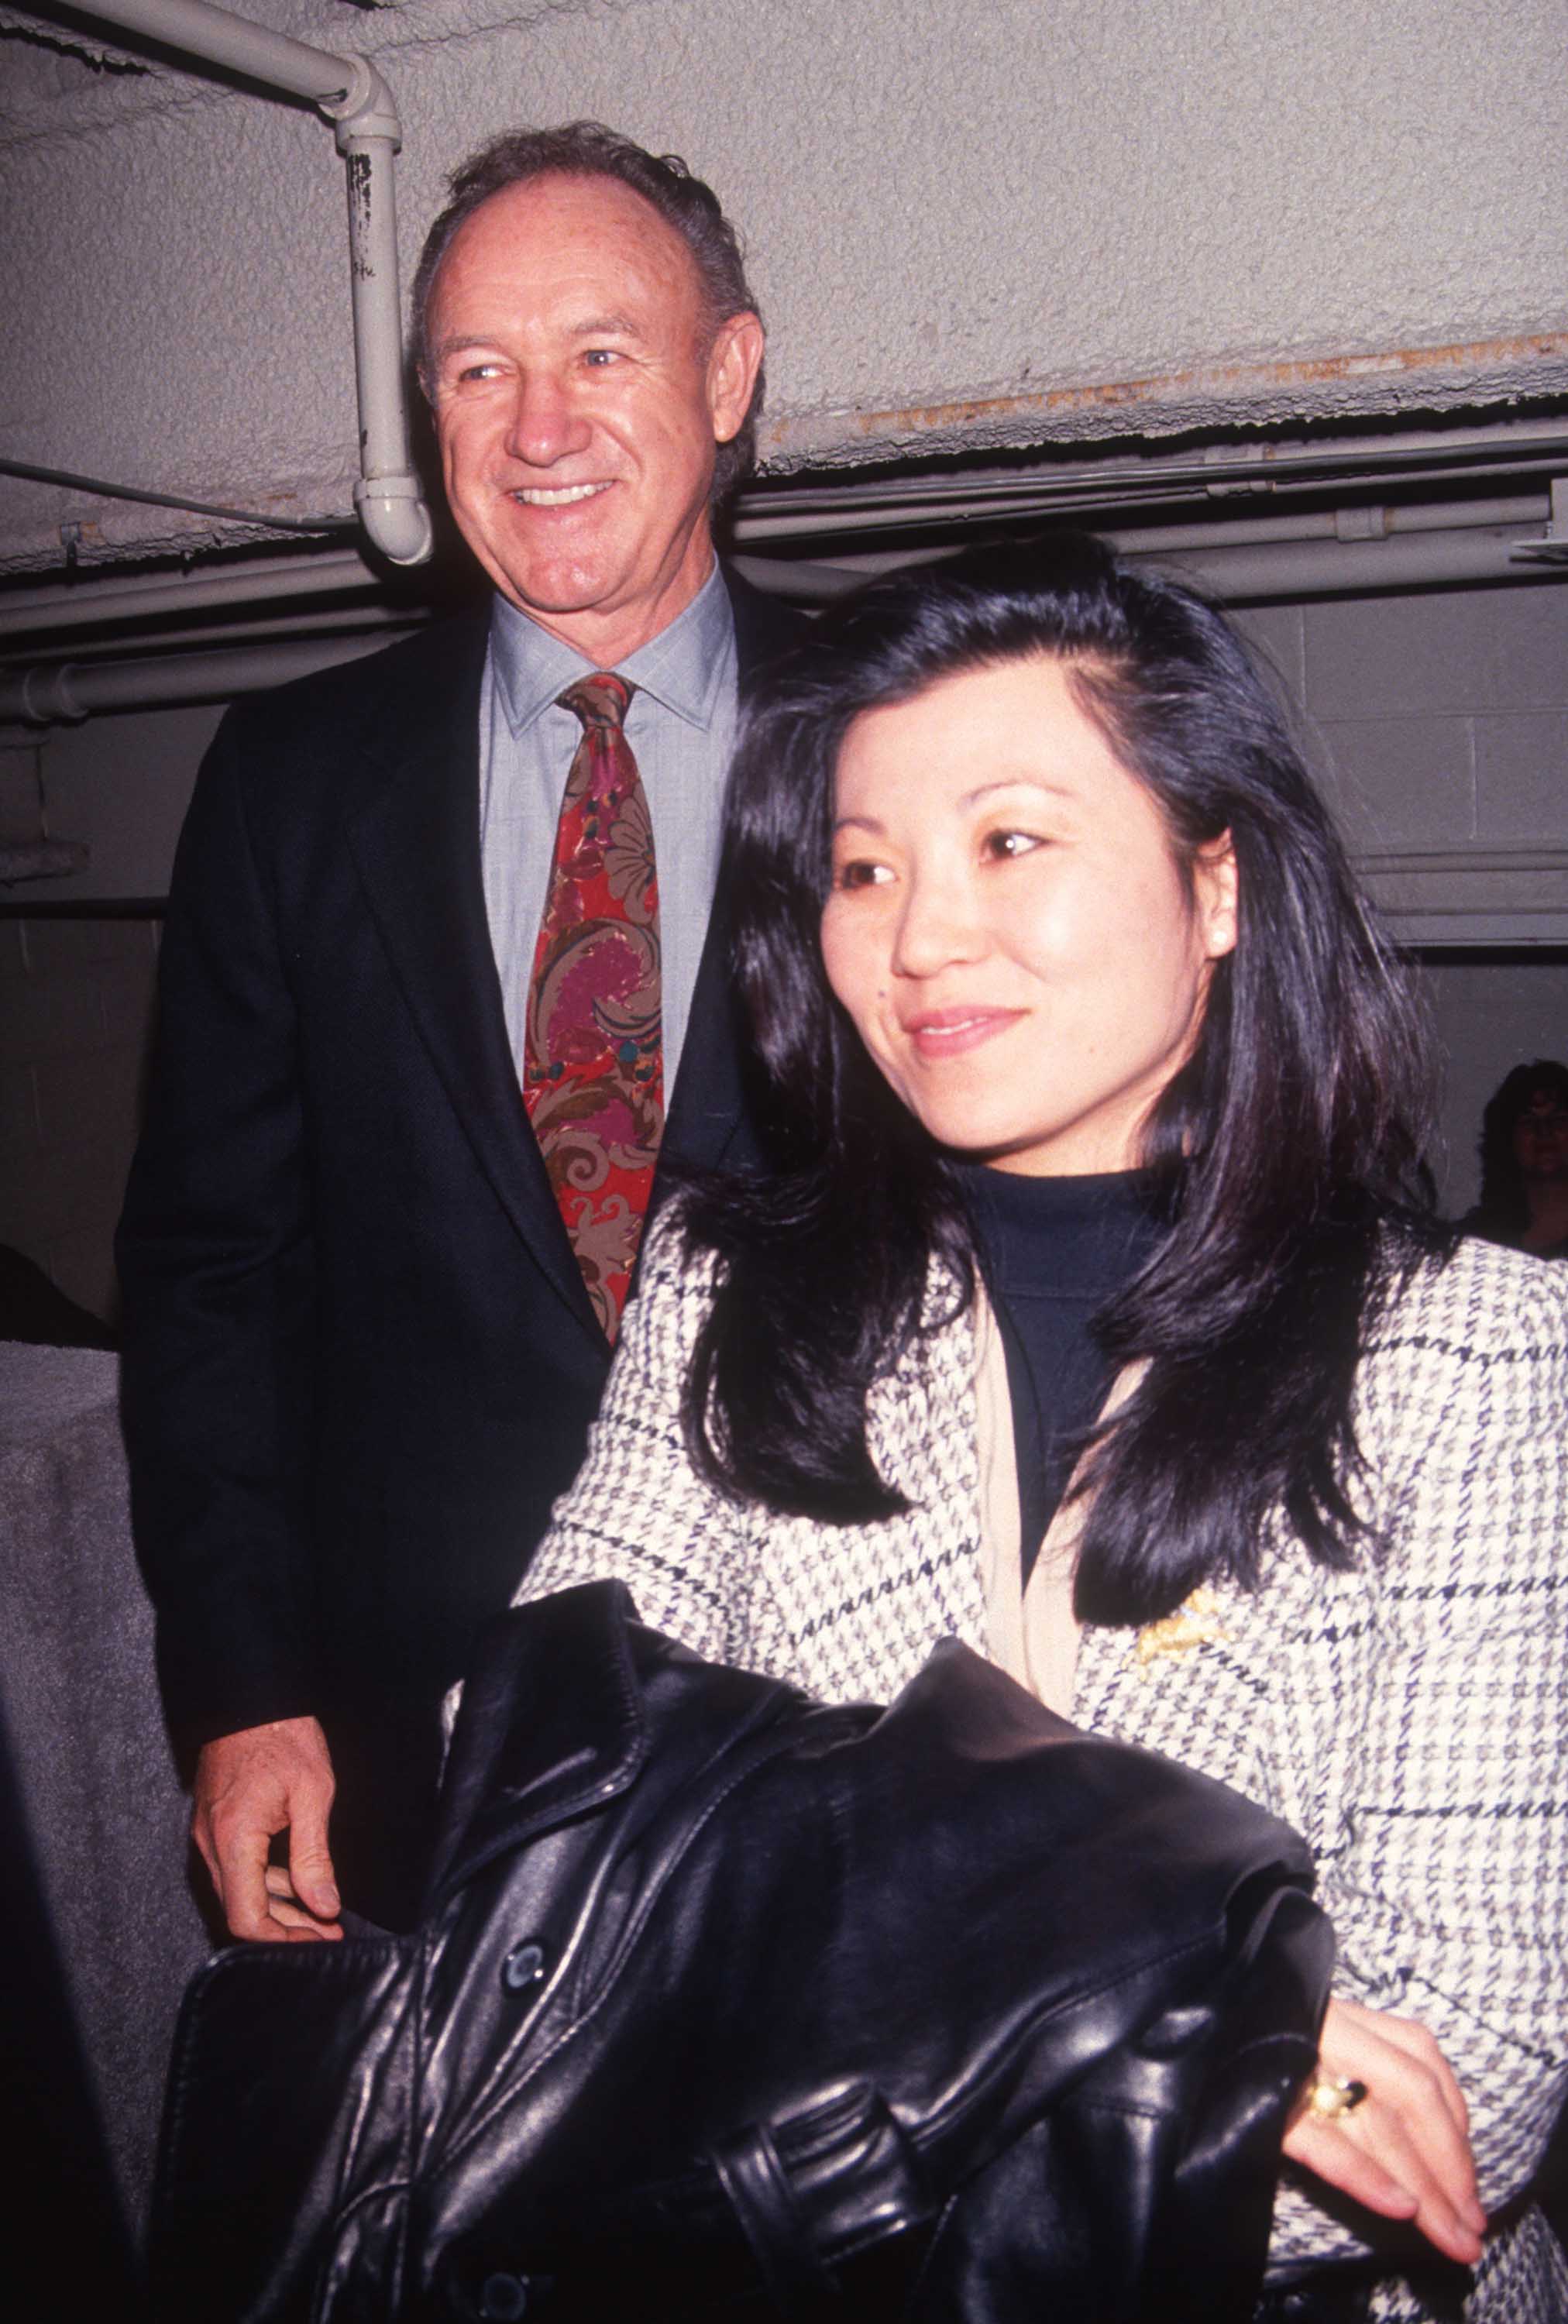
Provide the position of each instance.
(352, 93)
(43, 693)
(86, 603)
(64, 693)
(1320, 569)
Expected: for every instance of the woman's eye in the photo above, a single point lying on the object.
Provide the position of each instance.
(860, 874)
(1003, 844)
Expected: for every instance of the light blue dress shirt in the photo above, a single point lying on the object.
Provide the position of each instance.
(681, 726)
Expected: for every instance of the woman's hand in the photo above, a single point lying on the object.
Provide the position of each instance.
(1404, 2151)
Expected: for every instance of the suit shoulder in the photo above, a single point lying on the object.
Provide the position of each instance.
(767, 630)
(369, 698)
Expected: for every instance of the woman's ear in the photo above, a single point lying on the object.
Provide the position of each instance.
(1215, 895)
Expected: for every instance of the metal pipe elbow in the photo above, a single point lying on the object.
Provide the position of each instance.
(396, 520)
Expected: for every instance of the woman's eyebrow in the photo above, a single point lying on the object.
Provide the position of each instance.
(1016, 782)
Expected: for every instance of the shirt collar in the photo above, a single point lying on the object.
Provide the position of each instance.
(682, 668)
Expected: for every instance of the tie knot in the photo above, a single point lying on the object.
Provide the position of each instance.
(600, 700)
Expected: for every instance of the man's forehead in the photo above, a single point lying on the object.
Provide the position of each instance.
(533, 215)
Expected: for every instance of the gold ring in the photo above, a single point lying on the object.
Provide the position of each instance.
(1333, 2095)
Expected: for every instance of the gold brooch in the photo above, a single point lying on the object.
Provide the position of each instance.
(1196, 1623)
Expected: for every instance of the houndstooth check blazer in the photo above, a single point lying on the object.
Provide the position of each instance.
(1410, 1717)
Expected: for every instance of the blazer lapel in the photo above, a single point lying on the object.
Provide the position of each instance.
(708, 1105)
(416, 844)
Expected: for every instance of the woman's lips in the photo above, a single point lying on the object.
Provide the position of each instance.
(948, 1032)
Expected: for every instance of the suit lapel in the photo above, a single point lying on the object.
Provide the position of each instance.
(416, 844)
(708, 1104)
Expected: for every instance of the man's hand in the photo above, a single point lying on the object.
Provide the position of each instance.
(1404, 2150)
(250, 1786)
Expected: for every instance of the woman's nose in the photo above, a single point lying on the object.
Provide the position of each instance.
(937, 927)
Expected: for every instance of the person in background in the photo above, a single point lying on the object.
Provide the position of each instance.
(1524, 1162)
(1101, 1320)
(442, 994)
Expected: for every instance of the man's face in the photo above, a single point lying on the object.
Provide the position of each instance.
(579, 405)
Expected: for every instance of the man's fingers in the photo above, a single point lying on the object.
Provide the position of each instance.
(250, 1786)
(309, 1859)
(242, 1854)
(289, 1914)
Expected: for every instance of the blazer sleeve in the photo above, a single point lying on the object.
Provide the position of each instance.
(1443, 1857)
(217, 1268)
(638, 1512)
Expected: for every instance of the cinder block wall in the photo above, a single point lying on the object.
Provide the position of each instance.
(997, 224)
(1438, 722)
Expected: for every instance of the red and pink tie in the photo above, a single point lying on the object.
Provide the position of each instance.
(594, 1066)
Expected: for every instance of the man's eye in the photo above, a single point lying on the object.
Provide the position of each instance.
(862, 874)
(599, 359)
(476, 371)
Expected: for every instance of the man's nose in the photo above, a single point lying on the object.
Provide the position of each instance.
(937, 927)
(544, 425)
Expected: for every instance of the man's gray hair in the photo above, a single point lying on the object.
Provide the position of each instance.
(586, 149)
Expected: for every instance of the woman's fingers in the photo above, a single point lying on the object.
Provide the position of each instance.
(1324, 2148)
(1403, 2151)
(1405, 2034)
(1403, 2068)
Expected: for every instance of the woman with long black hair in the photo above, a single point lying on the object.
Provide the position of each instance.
(1524, 1162)
(1098, 1315)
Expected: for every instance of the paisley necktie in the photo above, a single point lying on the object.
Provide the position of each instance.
(594, 1063)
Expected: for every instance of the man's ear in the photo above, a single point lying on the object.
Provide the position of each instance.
(734, 361)
(1215, 887)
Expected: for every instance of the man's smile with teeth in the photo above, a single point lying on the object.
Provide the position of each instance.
(556, 495)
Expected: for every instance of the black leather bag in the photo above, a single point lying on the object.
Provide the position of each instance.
(730, 2005)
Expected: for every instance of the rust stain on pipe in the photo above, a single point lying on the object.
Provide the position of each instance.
(1216, 380)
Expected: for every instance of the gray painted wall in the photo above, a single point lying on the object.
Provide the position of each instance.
(1015, 223)
(1444, 712)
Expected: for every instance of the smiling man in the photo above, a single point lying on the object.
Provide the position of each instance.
(443, 995)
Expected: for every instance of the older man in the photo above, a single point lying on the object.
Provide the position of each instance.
(442, 993)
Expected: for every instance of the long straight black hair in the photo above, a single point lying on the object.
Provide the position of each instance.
(1504, 1207)
(1287, 1151)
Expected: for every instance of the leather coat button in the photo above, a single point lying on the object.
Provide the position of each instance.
(503, 2299)
(520, 1971)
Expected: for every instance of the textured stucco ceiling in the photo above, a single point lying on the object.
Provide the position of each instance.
(1010, 225)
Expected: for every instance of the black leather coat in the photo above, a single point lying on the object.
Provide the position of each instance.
(727, 2005)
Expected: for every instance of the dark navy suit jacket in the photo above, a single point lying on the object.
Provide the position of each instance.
(359, 1361)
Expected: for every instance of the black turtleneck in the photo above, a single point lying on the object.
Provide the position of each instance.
(1053, 1252)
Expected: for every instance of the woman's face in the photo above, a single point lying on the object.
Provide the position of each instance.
(1009, 926)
